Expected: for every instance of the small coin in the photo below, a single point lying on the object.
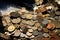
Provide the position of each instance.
(11, 28)
(35, 33)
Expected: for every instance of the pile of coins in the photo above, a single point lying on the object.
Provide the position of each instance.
(43, 23)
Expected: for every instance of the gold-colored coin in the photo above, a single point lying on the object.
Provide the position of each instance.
(11, 28)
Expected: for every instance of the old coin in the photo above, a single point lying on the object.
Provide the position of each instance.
(45, 38)
(11, 28)
(29, 16)
(35, 33)
(30, 30)
(46, 35)
(45, 22)
(7, 19)
(22, 35)
(16, 20)
(17, 33)
(45, 30)
(4, 23)
(29, 34)
(14, 14)
(34, 28)
(51, 26)
(37, 25)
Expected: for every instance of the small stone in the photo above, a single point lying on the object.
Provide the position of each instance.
(46, 35)
(11, 28)
(35, 33)
(28, 16)
(29, 34)
(30, 30)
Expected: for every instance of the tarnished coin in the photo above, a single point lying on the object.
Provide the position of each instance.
(57, 12)
(4, 23)
(11, 28)
(29, 16)
(34, 28)
(29, 34)
(45, 22)
(7, 19)
(45, 30)
(22, 35)
(46, 35)
(51, 26)
(17, 33)
(16, 20)
(30, 30)
(31, 22)
(37, 25)
(35, 33)
(14, 14)
(45, 38)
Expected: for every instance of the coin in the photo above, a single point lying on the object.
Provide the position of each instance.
(11, 28)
